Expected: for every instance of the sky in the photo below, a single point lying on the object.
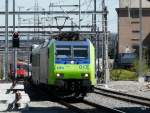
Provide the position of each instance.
(85, 5)
(112, 16)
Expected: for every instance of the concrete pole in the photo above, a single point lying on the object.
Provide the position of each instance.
(5, 77)
(103, 47)
(79, 15)
(13, 15)
(98, 55)
(4, 66)
(15, 49)
(141, 78)
(94, 16)
(72, 27)
(94, 40)
(105, 42)
(15, 62)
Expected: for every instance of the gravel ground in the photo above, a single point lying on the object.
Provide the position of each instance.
(46, 107)
(131, 87)
(117, 104)
(43, 107)
(109, 102)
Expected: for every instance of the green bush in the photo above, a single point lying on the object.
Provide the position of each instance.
(122, 74)
(135, 66)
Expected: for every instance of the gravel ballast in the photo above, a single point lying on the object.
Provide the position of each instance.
(131, 87)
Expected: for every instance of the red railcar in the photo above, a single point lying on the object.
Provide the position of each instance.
(23, 70)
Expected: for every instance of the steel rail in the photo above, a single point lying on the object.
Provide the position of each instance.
(77, 109)
(123, 96)
(58, 100)
(108, 109)
(100, 107)
(71, 107)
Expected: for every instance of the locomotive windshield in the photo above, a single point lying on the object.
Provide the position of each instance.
(66, 54)
(63, 52)
(71, 52)
(80, 52)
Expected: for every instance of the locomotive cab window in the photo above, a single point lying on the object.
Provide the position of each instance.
(80, 52)
(63, 52)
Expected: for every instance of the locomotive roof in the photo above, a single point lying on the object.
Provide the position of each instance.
(67, 36)
(85, 43)
(65, 43)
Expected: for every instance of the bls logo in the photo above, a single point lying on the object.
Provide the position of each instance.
(60, 67)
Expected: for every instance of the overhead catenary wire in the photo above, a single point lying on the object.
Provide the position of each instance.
(87, 9)
(68, 16)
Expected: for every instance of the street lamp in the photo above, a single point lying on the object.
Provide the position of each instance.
(6, 41)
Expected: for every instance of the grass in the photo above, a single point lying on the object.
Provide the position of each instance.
(122, 74)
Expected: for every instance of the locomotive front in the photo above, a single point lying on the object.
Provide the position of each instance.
(74, 67)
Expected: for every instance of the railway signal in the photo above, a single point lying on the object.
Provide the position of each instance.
(15, 40)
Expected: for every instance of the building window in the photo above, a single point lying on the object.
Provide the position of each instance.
(135, 31)
(134, 13)
(135, 39)
(136, 22)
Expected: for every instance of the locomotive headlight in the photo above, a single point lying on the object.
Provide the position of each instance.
(86, 75)
(58, 75)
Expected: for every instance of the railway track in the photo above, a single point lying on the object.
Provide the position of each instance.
(80, 106)
(123, 96)
(98, 108)
(109, 110)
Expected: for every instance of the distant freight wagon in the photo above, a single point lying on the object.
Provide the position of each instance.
(126, 59)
